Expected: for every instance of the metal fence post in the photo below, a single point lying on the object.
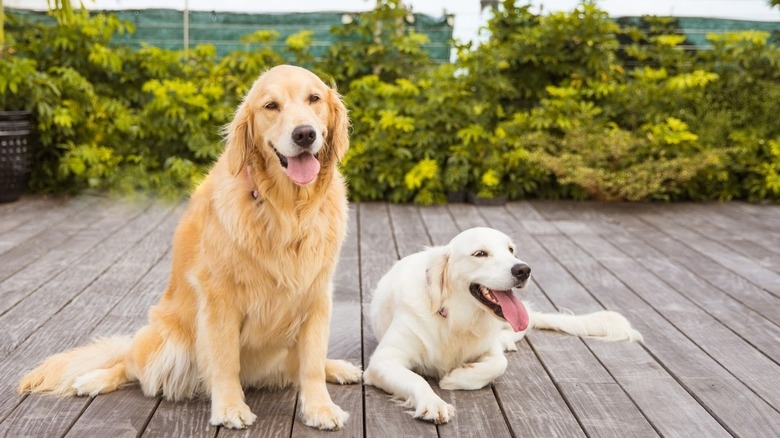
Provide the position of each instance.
(186, 27)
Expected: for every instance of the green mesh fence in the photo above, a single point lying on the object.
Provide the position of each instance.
(696, 29)
(165, 28)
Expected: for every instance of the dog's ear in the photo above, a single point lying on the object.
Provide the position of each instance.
(240, 138)
(437, 277)
(338, 126)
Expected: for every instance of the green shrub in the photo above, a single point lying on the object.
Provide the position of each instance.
(377, 43)
(566, 105)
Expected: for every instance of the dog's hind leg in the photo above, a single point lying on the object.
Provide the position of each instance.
(341, 372)
(101, 381)
(476, 375)
(509, 338)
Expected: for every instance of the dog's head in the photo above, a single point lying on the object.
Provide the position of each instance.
(481, 262)
(290, 125)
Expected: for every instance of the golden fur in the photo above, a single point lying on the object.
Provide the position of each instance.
(249, 297)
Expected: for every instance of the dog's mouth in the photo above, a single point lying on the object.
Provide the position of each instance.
(503, 303)
(302, 168)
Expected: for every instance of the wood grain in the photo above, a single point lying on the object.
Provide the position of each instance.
(700, 281)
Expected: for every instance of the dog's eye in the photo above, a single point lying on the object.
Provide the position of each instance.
(511, 250)
(480, 253)
(271, 106)
(314, 98)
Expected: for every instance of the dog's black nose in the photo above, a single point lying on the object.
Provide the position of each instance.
(304, 135)
(521, 271)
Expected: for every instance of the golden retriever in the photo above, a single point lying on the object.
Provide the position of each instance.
(249, 297)
(450, 312)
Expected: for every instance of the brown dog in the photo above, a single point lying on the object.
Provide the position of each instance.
(249, 297)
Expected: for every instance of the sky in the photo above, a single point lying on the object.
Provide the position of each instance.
(468, 17)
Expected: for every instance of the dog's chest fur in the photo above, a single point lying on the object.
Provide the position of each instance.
(292, 246)
(459, 339)
(276, 259)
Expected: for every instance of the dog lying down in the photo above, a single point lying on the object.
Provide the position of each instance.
(449, 312)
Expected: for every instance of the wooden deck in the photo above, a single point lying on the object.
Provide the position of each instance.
(700, 281)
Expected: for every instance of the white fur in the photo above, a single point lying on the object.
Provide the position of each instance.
(100, 354)
(172, 372)
(465, 348)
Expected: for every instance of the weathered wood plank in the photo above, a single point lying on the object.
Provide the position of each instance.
(763, 216)
(346, 326)
(25, 281)
(35, 419)
(7, 209)
(126, 411)
(692, 277)
(466, 216)
(438, 221)
(345, 340)
(33, 248)
(569, 361)
(15, 214)
(91, 307)
(529, 219)
(574, 369)
(122, 413)
(377, 255)
(275, 412)
(410, 233)
(530, 399)
(747, 323)
(477, 413)
(36, 308)
(710, 272)
(377, 248)
(71, 323)
(188, 418)
(728, 259)
(645, 381)
(29, 228)
(744, 361)
(708, 221)
(678, 354)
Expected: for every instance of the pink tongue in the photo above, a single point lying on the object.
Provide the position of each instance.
(513, 309)
(303, 168)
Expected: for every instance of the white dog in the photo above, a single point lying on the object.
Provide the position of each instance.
(450, 312)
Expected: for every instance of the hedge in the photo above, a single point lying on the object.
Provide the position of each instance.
(566, 105)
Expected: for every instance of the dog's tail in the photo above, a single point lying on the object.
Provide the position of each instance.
(90, 370)
(605, 325)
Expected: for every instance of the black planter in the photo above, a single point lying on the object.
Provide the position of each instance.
(15, 153)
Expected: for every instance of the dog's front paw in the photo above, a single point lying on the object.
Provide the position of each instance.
(436, 411)
(342, 372)
(236, 416)
(327, 417)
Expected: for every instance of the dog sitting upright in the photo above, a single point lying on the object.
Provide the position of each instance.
(449, 312)
(248, 303)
